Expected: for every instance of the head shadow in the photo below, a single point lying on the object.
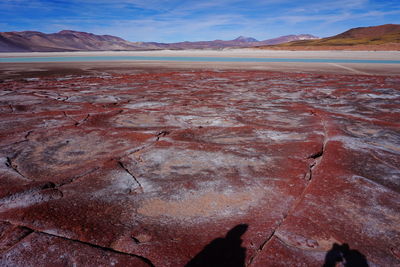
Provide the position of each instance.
(344, 255)
(223, 252)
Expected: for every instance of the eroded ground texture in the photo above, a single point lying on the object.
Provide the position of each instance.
(148, 168)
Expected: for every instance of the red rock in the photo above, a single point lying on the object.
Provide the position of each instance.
(10, 235)
(46, 250)
(278, 253)
(159, 165)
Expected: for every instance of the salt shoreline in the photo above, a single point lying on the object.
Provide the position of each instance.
(372, 55)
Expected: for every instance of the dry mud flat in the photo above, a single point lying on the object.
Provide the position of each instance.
(168, 167)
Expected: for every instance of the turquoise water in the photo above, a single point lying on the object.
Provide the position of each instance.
(188, 59)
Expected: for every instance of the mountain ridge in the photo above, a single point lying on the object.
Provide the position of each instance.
(381, 37)
(385, 36)
(69, 40)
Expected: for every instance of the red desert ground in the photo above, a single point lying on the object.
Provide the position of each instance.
(159, 163)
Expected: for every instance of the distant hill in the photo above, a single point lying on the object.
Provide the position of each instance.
(66, 40)
(245, 39)
(238, 42)
(61, 41)
(384, 36)
(290, 38)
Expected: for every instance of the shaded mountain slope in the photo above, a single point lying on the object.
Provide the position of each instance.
(61, 41)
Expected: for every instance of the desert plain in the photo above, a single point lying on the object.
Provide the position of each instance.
(200, 163)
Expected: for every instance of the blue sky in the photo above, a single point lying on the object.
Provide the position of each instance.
(194, 20)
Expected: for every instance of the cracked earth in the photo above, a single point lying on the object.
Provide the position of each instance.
(147, 168)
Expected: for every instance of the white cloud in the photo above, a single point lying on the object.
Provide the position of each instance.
(179, 20)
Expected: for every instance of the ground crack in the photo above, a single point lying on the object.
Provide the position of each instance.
(22, 232)
(28, 134)
(158, 137)
(309, 175)
(94, 246)
(133, 176)
(162, 134)
(317, 154)
(82, 121)
(26, 138)
(76, 122)
(76, 177)
(14, 167)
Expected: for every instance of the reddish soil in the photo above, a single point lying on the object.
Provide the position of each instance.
(370, 32)
(166, 168)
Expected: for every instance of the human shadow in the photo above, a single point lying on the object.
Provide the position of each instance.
(344, 255)
(223, 252)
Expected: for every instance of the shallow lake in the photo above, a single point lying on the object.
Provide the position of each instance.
(187, 59)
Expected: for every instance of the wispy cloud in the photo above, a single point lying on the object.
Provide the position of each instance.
(179, 20)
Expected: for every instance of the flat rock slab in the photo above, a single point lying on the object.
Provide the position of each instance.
(199, 168)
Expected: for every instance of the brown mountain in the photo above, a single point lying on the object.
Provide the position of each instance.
(385, 36)
(32, 41)
(61, 41)
(371, 32)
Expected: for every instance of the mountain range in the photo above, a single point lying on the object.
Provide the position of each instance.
(383, 36)
(67, 40)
